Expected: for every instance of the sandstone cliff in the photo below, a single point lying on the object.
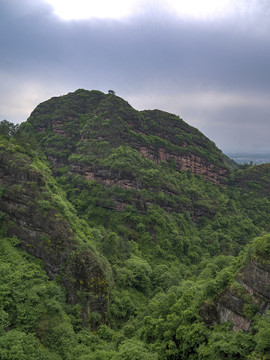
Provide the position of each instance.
(247, 296)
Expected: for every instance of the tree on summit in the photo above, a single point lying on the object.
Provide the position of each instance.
(111, 92)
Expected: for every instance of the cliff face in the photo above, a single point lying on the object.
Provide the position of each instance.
(189, 162)
(255, 278)
(239, 302)
(31, 212)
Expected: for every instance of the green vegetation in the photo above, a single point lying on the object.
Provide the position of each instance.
(120, 231)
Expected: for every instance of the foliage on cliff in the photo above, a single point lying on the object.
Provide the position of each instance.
(117, 227)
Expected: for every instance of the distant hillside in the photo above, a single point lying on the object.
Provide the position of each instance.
(249, 157)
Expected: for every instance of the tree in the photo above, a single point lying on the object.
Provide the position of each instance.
(111, 92)
(7, 128)
(134, 350)
(262, 247)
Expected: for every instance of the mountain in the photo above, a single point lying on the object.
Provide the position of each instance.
(101, 137)
(83, 128)
(128, 234)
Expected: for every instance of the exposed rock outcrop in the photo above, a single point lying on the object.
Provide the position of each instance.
(191, 162)
(250, 294)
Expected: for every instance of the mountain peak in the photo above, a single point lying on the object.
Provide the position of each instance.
(66, 124)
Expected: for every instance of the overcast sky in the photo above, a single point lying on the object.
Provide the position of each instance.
(206, 61)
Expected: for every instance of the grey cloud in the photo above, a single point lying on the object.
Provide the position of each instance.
(176, 50)
(155, 55)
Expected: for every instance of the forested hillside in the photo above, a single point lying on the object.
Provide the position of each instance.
(129, 235)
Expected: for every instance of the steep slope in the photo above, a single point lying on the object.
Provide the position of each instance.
(36, 212)
(247, 295)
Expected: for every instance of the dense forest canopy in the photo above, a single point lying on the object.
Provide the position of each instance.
(128, 235)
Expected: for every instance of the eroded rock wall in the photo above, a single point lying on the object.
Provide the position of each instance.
(29, 214)
(250, 294)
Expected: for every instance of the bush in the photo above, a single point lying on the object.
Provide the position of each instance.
(262, 247)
